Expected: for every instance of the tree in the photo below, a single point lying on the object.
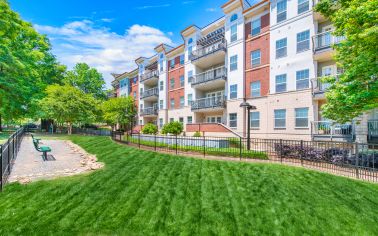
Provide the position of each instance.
(67, 104)
(150, 129)
(87, 79)
(119, 110)
(174, 128)
(26, 65)
(356, 90)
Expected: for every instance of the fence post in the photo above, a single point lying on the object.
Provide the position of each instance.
(356, 162)
(176, 144)
(281, 150)
(240, 148)
(301, 153)
(155, 142)
(139, 140)
(204, 146)
(1, 167)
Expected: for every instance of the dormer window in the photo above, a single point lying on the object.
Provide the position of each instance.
(161, 56)
(190, 41)
(234, 17)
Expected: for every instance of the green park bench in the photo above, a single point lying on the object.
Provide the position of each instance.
(43, 149)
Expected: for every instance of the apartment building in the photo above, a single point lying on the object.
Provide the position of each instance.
(271, 54)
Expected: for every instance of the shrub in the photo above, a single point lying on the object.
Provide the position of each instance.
(197, 134)
(174, 128)
(235, 142)
(149, 129)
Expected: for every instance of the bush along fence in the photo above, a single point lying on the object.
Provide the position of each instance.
(8, 152)
(354, 160)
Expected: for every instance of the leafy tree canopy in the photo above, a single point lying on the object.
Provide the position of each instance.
(67, 104)
(356, 90)
(87, 79)
(119, 110)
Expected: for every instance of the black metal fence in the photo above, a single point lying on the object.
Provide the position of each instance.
(98, 132)
(8, 152)
(354, 160)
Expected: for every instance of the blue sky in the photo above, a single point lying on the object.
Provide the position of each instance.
(111, 34)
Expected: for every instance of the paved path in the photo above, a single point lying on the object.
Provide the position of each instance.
(69, 158)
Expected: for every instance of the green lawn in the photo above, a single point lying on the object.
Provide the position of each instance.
(145, 193)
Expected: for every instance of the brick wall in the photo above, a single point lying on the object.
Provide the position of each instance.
(177, 91)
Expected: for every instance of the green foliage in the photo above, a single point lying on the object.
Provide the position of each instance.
(119, 110)
(67, 104)
(150, 129)
(174, 128)
(356, 91)
(26, 65)
(87, 79)
(197, 134)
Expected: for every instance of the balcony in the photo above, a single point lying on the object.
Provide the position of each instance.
(150, 94)
(211, 79)
(150, 77)
(322, 45)
(209, 104)
(330, 131)
(149, 111)
(210, 55)
(319, 87)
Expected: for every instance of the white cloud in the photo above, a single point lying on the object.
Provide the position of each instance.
(211, 9)
(188, 2)
(109, 52)
(107, 20)
(152, 6)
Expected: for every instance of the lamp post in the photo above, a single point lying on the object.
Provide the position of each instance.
(249, 107)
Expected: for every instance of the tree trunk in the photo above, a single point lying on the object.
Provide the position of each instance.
(69, 128)
(1, 124)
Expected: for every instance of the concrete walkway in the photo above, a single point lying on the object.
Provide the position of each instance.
(65, 159)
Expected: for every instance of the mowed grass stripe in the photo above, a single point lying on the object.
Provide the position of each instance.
(146, 193)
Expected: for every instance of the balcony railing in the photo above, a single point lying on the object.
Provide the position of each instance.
(209, 102)
(149, 75)
(205, 51)
(318, 86)
(210, 75)
(149, 111)
(150, 92)
(325, 40)
(331, 129)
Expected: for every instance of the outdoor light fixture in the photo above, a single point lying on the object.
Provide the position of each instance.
(249, 107)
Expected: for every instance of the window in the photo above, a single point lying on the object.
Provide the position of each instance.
(141, 107)
(140, 122)
(161, 122)
(172, 103)
(281, 48)
(190, 76)
(189, 119)
(181, 120)
(171, 119)
(255, 119)
(303, 41)
(281, 83)
(256, 27)
(172, 63)
(256, 58)
(161, 66)
(281, 10)
(234, 32)
(256, 89)
(234, 63)
(172, 83)
(301, 117)
(303, 79)
(134, 94)
(234, 17)
(161, 104)
(182, 59)
(190, 50)
(182, 81)
(190, 99)
(303, 5)
(233, 120)
(161, 85)
(141, 90)
(182, 101)
(233, 91)
(190, 41)
(161, 56)
(280, 118)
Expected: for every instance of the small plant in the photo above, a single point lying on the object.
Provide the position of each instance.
(150, 129)
(197, 134)
(174, 128)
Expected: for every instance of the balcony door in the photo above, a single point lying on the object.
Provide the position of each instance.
(327, 37)
(326, 71)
